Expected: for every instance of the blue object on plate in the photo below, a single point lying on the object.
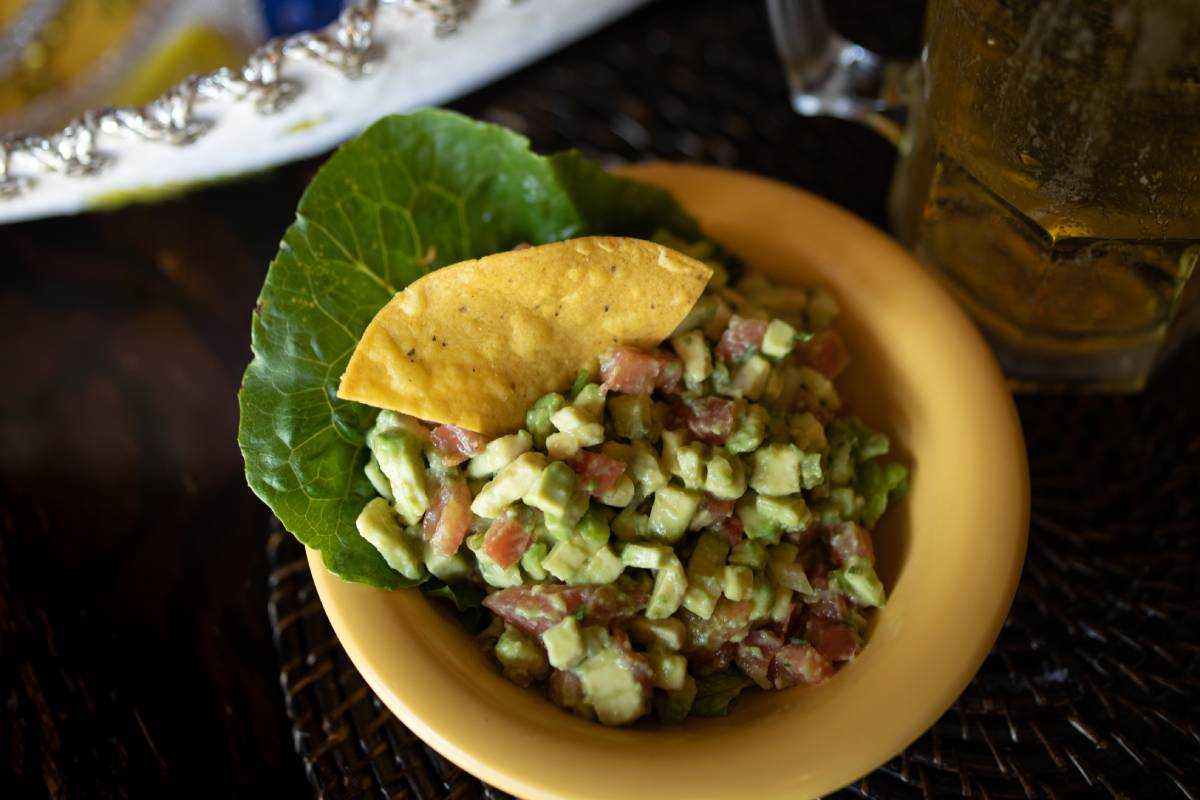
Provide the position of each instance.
(285, 17)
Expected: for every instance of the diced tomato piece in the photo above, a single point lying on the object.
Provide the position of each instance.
(629, 370)
(755, 654)
(710, 419)
(799, 663)
(636, 663)
(742, 336)
(448, 518)
(830, 606)
(566, 689)
(720, 509)
(606, 603)
(506, 541)
(826, 353)
(833, 640)
(455, 445)
(598, 473)
(533, 609)
(849, 541)
(706, 662)
(730, 621)
(733, 529)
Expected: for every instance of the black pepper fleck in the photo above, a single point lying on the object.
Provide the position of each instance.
(606, 308)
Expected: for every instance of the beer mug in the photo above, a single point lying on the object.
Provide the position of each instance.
(1049, 169)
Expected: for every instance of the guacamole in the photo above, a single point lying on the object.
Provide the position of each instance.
(690, 520)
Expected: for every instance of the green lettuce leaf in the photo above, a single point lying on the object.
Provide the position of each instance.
(467, 599)
(715, 692)
(411, 194)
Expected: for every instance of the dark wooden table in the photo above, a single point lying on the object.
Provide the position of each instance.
(135, 651)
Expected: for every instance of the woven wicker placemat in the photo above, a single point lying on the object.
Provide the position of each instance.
(1091, 688)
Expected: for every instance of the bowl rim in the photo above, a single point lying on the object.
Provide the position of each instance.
(431, 724)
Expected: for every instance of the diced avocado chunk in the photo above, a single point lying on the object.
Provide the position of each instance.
(553, 490)
(846, 503)
(779, 339)
(673, 707)
(632, 415)
(751, 429)
(498, 453)
(582, 379)
(520, 657)
(590, 400)
(876, 484)
(645, 469)
(593, 530)
(841, 463)
(860, 582)
(378, 525)
(781, 604)
(602, 566)
(822, 309)
(565, 559)
(560, 527)
(668, 634)
(378, 479)
(671, 442)
(776, 469)
(531, 561)
(670, 585)
(667, 670)
(724, 477)
(611, 687)
(689, 463)
(807, 432)
(620, 495)
(388, 421)
(700, 602)
(819, 387)
(564, 643)
(790, 513)
(737, 582)
(751, 377)
(749, 553)
(631, 525)
(762, 597)
(708, 558)
(561, 446)
(399, 455)
(618, 450)
(756, 525)
(811, 474)
(537, 418)
(785, 570)
(694, 353)
(646, 556)
(510, 484)
(571, 418)
(450, 569)
(672, 512)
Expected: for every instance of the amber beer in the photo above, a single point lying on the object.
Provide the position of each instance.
(1051, 176)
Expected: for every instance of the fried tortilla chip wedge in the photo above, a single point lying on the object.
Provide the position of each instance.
(475, 343)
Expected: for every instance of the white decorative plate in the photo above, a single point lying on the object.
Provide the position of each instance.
(294, 98)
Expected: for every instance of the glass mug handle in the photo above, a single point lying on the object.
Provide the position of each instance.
(829, 75)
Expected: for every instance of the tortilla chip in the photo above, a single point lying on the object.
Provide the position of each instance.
(475, 343)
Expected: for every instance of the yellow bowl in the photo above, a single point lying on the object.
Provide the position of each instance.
(950, 553)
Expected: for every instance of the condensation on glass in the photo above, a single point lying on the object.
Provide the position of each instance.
(1050, 176)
